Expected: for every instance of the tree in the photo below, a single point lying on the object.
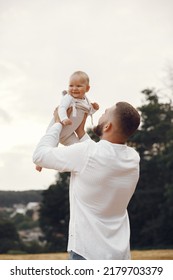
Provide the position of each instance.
(54, 214)
(9, 238)
(150, 209)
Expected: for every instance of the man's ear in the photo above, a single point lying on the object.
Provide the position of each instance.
(107, 126)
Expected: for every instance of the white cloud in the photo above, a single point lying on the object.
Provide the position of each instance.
(122, 45)
(18, 172)
(4, 116)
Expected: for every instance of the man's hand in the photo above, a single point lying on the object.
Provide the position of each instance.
(80, 131)
(56, 116)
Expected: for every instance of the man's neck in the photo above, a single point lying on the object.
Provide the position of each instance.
(114, 140)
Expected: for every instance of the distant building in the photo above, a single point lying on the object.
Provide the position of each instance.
(29, 235)
(18, 209)
(22, 209)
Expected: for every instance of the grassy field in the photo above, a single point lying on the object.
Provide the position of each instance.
(136, 255)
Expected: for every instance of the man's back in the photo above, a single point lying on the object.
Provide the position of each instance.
(100, 193)
(103, 179)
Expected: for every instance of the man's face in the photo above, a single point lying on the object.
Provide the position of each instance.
(106, 117)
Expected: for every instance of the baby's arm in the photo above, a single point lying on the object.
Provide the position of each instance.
(62, 109)
(94, 108)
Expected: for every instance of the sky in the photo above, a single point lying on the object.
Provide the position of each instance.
(124, 46)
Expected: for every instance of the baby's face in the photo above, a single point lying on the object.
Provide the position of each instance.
(78, 87)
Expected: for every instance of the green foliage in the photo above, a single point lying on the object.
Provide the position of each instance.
(9, 238)
(151, 210)
(23, 222)
(54, 214)
(32, 247)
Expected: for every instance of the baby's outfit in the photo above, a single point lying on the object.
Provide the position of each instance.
(79, 108)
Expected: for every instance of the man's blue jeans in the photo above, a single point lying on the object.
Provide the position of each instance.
(75, 256)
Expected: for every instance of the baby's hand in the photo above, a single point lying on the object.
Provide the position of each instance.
(38, 168)
(95, 105)
(66, 122)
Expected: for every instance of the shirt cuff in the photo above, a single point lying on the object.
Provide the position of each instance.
(57, 125)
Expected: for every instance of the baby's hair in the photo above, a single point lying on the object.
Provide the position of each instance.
(82, 75)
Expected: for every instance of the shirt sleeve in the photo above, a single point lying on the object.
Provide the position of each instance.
(62, 158)
(64, 105)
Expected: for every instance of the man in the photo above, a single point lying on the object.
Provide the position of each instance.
(103, 179)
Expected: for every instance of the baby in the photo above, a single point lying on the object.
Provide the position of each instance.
(75, 98)
(78, 86)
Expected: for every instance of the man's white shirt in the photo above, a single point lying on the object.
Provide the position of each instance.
(103, 179)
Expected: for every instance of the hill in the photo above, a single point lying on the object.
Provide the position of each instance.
(9, 198)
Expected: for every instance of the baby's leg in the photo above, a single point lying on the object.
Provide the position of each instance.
(68, 136)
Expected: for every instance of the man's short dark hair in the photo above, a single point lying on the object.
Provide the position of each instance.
(128, 117)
